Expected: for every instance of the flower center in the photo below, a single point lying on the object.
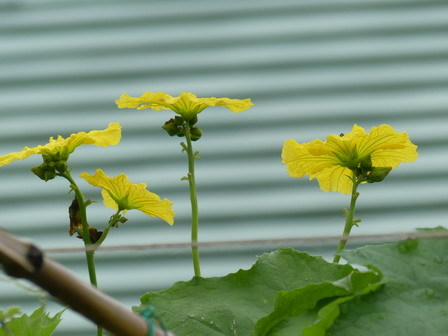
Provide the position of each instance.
(349, 158)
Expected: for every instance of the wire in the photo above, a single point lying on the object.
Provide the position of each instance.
(279, 241)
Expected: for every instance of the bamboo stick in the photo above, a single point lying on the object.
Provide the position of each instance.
(22, 259)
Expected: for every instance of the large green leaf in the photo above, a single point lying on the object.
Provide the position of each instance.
(414, 299)
(38, 323)
(322, 299)
(231, 305)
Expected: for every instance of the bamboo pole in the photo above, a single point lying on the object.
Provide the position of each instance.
(24, 260)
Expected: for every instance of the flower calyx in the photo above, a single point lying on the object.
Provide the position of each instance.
(53, 165)
(177, 127)
(365, 172)
(377, 174)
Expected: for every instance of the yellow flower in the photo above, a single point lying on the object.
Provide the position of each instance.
(187, 104)
(333, 161)
(120, 194)
(61, 148)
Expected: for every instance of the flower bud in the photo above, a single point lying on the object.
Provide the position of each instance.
(366, 163)
(39, 171)
(64, 153)
(61, 166)
(50, 174)
(175, 127)
(170, 127)
(193, 120)
(195, 133)
(45, 172)
(47, 158)
(377, 174)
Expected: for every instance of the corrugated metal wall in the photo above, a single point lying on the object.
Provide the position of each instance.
(312, 68)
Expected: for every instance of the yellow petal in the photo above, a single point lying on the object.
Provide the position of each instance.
(187, 104)
(151, 100)
(111, 136)
(307, 158)
(357, 132)
(116, 187)
(335, 178)
(25, 153)
(109, 201)
(120, 194)
(333, 161)
(235, 105)
(387, 147)
(108, 137)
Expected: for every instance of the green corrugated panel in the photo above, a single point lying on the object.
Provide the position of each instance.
(311, 67)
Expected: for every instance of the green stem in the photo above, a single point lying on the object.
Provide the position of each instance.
(194, 204)
(349, 221)
(90, 257)
(85, 228)
(105, 232)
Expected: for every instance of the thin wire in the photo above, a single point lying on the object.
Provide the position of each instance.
(254, 242)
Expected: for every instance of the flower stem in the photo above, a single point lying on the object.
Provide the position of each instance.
(90, 257)
(98, 243)
(349, 223)
(85, 227)
(194, 204)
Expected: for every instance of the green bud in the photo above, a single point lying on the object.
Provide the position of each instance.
(352, 164)
(181, 123)
(193, 120)
(39, 171)
(377, 174)
(116, 220)
(45, 172)
(195, 133)
(47, 158)
(64, 154)
(61, 166)
(50, 174)
(175, 127)
(170, 127)
(366, 163)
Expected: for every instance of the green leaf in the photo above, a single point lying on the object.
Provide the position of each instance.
(296, 302)
(232, 305)
(38, 323)
(290, 304)
(9, 313)
(294, 325)
(414, 299)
